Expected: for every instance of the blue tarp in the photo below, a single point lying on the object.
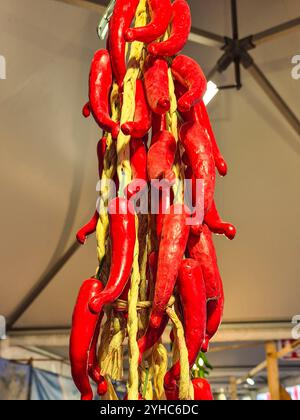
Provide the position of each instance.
(22, 382)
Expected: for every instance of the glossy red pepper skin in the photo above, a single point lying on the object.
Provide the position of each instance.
(93, 362)
(166, 199)
(192, 292)
(124, 12)
(101, 149)
(159, 123)
(202, 390)
(88, 229)
(152, 334)
(138, 159)
(188, 72)
(84, 328)
(157, 85)
(143, 116)
(161, 14)
(199, 151)
(161, 156)
(203, 118)
(216, 225)
(180, 28)
(199, 114)
(215, 309)
(123, 236)
(99, 91)
(172, 247)
(202, 249)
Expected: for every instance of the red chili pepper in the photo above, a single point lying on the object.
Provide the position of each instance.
(203, 250)
(161, 156)
(120, 21)
(166, 199)
(173, 243)
(100, 86)
(192, 294)
(161, 14)
(202, 390)
(93, 363)
(203, 117)
(157, 85)
(216, 225)
(123, 236)
(159, 123)
(152, 334)
(84, 327)
(88, 229)
(188, 72)
(138, 159)
(181, 26)
(152, 266)
(142, 118)
(101, 149)
(198, 149)
(86, 110)
(215, 309)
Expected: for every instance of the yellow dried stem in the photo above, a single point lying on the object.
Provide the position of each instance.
(136, 63)
(184, 387)
(132, 326)
(109, 170)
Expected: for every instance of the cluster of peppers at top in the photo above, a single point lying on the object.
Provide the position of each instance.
(183, 260)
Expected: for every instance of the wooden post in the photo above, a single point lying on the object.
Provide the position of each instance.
(273, 371)
(233, 389)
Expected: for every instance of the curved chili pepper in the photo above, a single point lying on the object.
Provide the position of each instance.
(120, 21)
(100, 86)
(157, 85)
(188, 72)
(216, 225)
(84, 327)
(203, 117)
(173, 243)
(123, 236)
(161, 14)
(93, 363)
(88, 229)
(161, 156)
(215, 309)
(101, 149)
(192, 294)
(142, 118)
(86, 110)
(180, 29)
(203, 250)
(166, 199)
(198, 149)
(159, 123)
(202, 390)
(138, 159)
(152, 334)
(199, 114)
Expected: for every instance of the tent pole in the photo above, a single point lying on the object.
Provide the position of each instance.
(39, 287)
